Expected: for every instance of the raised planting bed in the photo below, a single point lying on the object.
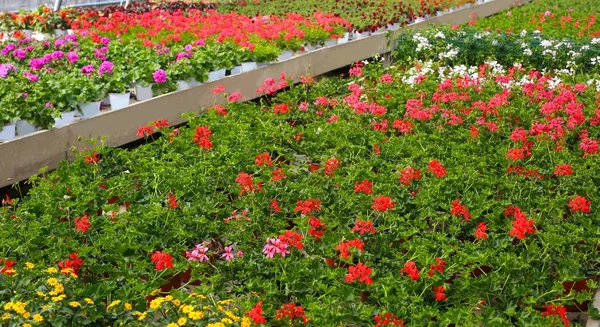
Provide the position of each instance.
(403, 195)
(46, 148)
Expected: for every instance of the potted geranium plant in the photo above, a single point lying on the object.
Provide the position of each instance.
(88, 91)
(265, 52)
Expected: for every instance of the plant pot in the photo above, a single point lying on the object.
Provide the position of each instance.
(59, 32)
(419, 20)
(143, 93)
(193, 82)
(480, 271)
(286, 55)
(344, 39)
(311, 47)
(216, 75)
(393, 26)
(106, 101)
(330, 262)
(8, 132)
(236, 70)
(27, 33)
(119, 100)
(70, 32)
(330, 43)
(578, 286)
(65, 119)
(182, 85)
(249, 66)
(361, 35)
(41, 36)
(24, 128)
(90, 109)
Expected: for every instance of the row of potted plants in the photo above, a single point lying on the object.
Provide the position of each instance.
(453, 199)
(45, 83)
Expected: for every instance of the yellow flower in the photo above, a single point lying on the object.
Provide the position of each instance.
(155, 304)
(26, 315)
(74, 304)
(29, 265)
(128, 306)
(232, 316)
(59, 298)
(196, 315)
(168, 298)
(227, 321)
(89, 301)
(51, 270)
(45, 307)
(112, 305)
(26, 325)
(176, 302)
(181, 321)
(172, 325)
(41, 294)
(155, 292)
(52, 281)
(142, 316)
(186, 308)
(226, 301)
(38, 317)
(58, 288)
(217, 324)
(6, 316)
(246, 322)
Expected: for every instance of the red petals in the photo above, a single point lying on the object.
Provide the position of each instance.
(556, 310)
(82, 224)
(365, 186)
(345, 246)
(307, 206)
(480, 232)
(521, 225)
(292, 311)
(563, 170)
(439, 293)
(202, 137)
(360, 272)
(316, 228)
(580, 203)
(436, 168)
(162, 260)
(256, 314)
(363, 226)
(460, 210)
(410, 268)
(382, 203)
(263, 159)
(407, 175)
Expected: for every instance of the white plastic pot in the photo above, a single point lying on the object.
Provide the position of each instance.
(90, 109)
(24, 128)
(119, 100)
(59, 32)
(66, 118)
(285, 55)
(248, 66)
(193, 82)
(262, 64)
(143, 93)
(362, 35)
(28, 33)
(8, 132)
(70, 32)
(330, 43)
(344, 39)
(216, 75)
(236, 70)
(41, 36)
(182, 85)
(310, 47)
(393, 26)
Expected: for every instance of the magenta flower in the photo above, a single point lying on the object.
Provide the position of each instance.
(181, 55)
(49, 105)
(9, 47)
(228, 255)
(275, 246)
(5, 69)
(200, 43)
(188, 47)
(160, 76)
(303, 106)
(547, 13)
(509, 14)
(20, 54)
(72, 57)
(71, 37)
(105, 40)
(87, 70)
(105, 67)
(199, 254)
(31, 77)
(59, 43)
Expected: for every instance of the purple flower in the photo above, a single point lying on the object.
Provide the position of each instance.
(200, 43)
(160, 76)
(25, 95)
(188, 47)
(87, 70)
(46, 44)
(9, 47)
(20, 54)
(71, 37)
(72, 57)
(49, 105)
(5, 69)
(166, 50)
(98, 54)
(105, 67)
(83, 33)
(37, 63)
(103, 49)
(228, 255)
(60, 42)
(29, 48)
(105, 40)
(31, 77)
(547, 13)
(57, 55)
(181, 55)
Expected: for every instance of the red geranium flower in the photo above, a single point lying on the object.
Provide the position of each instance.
(82, 224)
(364, 186)
(162, 260)
(437, 168)
(363, 226)
(580, 203)
(480, 232)
(256, 314)
(382, 203)
(360, 272)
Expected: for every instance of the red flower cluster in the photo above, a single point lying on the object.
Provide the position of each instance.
(246, 183)
(388, 319)
(330, 166)
(365, 186)
(71, 265)
(563, 170)
(202, 137)
(382, 203)
(438, 266)
(410, 268)
(520, 170)
(173, 202)
(580, 203)
(292, 238)
(275, 206)
(480, 232)
(263, 159)
(8, 267)
(437, 169)
(360, 272)
(316, 228)
(162, 260)
(363, 226)
(345, 246)
(92, 158)
(556, 310)
(291, 311)
(459, 209)
(278, 174)
(256, 314)
(403, 126)
(271, 86)
(156, 125)
(281, 108)
(521, 225)
(439, 293)
(407, 175)
(307, 206)
(82, 224)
